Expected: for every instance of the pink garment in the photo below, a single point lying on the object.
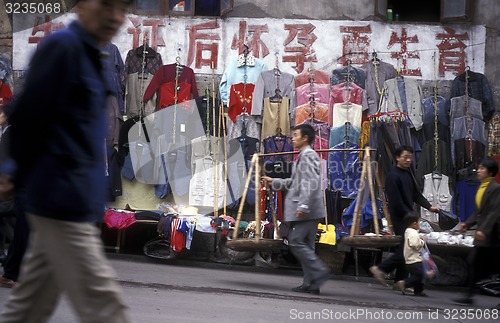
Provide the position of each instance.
(119, 219)
(321, 93)
(341, 94)
(320, 77)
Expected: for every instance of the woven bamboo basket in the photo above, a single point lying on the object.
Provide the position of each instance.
(256, 245)
(371, 241)
(377, 240)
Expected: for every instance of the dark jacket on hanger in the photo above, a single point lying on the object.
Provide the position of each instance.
(133, 62)
(385, 72)
(479, 88)
(113, 70)
(356, 75)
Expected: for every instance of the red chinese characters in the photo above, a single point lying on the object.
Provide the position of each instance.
(153, 29)
(201, 40)
(451, 51)
(355, 44)
(404, 54)
(45, 27)
(303, 52)
(255, 44)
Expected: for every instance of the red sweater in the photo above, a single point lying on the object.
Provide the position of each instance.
(165, 74)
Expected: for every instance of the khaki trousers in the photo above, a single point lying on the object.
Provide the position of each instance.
(65, 257)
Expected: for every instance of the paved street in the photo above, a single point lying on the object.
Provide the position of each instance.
(189, 291)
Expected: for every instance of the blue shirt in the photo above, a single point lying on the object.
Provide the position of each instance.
(58, 128)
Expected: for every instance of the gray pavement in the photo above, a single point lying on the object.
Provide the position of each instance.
(191, 291)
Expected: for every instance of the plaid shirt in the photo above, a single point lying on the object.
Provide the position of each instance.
(479, 88)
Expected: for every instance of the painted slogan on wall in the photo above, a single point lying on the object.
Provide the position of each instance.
(421, 51)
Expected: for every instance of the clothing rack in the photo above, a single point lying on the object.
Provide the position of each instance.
(436, 173)
(176, 90)
(316, 150)
(277, 97)
(244, 114)
(312, 100)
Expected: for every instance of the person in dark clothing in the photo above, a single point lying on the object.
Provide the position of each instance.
(19, 240)
(483, 260)
(60, 172)
(402, 192)
(7, 213)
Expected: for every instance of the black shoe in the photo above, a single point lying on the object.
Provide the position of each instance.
(306, 289)
(464, 300)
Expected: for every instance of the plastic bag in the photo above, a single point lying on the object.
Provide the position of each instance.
(429, 266)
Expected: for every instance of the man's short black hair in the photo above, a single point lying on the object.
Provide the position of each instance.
(491, 165)
(410, 218)
(306, 130)
(400, 150)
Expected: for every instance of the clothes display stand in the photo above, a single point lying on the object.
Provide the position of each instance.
(377, 240)
(258, 243)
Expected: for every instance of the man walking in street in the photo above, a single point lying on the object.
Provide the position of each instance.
(402, 192)
(58, 128)
(304, 208)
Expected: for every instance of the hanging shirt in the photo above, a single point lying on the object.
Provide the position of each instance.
(168, 73)
(275, 144)
(307, 111)
(380, 72)
(235, 73)
(405, 95)
(341, 93)
(169, 95)
(265, 87)
(478, 88)
(437, 192)
(278, 165)
(113, 69)
(344, 169)
(468, 153)
(470, 128)
(131, 79)
(321, 128)
(443, 118)
(275, 116)
(321, 93)
(462, 105)
(348, 74)
(240, 98)
(345, 112)
(345, 132)
(202, 186)
(135, 87)
(319, 77)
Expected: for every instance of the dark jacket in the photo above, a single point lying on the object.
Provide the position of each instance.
(402, 192)
(58, 126)
(487, 217)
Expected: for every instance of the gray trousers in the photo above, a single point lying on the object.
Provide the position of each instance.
(302, 241)
(65, 257)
